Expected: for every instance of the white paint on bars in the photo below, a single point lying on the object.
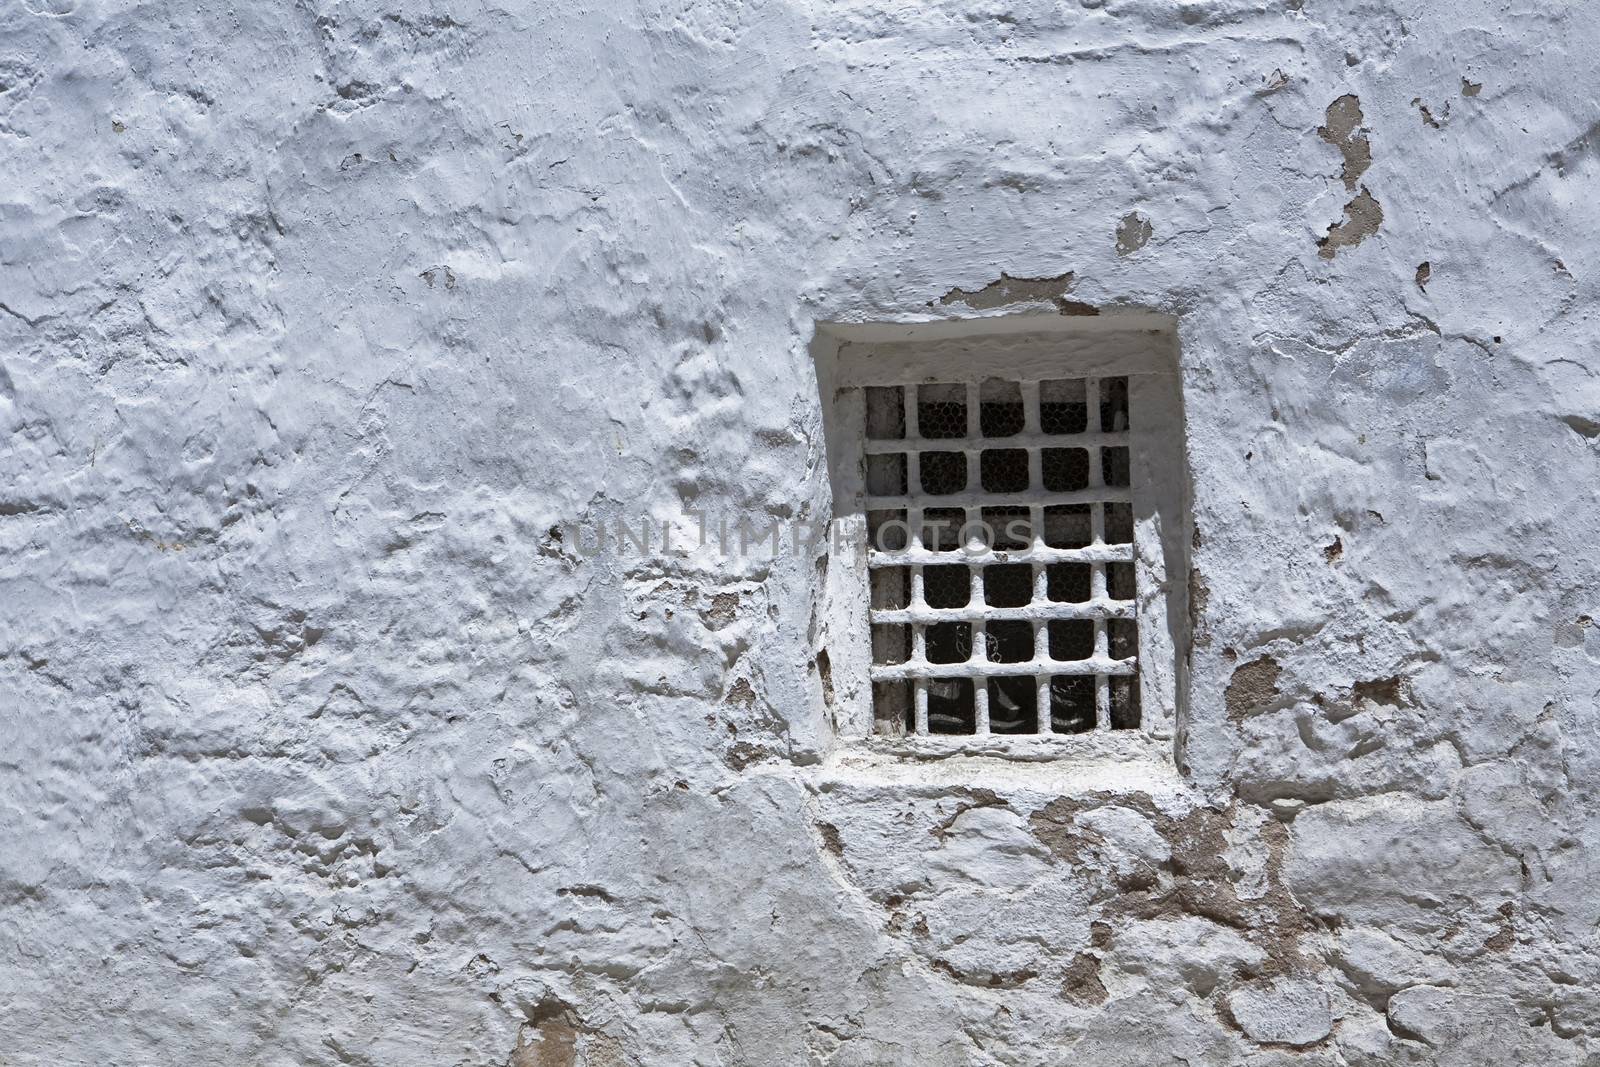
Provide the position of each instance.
(919, 614)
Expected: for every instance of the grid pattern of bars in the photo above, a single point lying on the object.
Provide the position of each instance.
(1000, 522)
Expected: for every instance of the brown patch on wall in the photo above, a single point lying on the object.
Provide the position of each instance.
(1386, 691)
(1254, 686)
(1133, 233)
(1424, 272)
(1362, 217)
(896, 905)
(1332, 552)
(1199, 595)
(1081, 984)
(1428, 118)
(1583, 427)
(1343, 131)
(1470, 88)
(741, 754)
(985, 979)
(825, 674)
(1008, 290)
(1196, 881)
(741, 695)
(435, 275)
(1502, 940)
(975, 798)
(724, 607)
(1054, 825)
(830, 838)
(588, 892)
(548, 1039)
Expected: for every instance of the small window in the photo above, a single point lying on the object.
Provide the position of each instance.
(1020, 507)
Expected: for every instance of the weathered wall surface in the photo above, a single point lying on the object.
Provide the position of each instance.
(317, 747)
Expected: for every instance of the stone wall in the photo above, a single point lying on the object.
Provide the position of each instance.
(322, 743)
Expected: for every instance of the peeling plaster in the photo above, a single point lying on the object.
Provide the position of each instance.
(1343, 130)
(1006, 291)
(1362, 217)
(1133, 233)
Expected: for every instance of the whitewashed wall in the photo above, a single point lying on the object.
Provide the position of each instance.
(316, 747)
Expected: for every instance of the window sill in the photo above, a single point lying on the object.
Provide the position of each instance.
(1072, 764)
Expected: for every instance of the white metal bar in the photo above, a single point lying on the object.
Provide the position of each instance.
(985, 669)
(913, 481)
(1030, 411)
(1032, 441)
(969, 446)
(1097, 571)
(1104, 494)
(980, 643)
(914, 600)
(1102, 701)
(1040, 554)
(978, 655)
(1088, 609)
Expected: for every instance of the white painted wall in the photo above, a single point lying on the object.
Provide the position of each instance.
(316, 748)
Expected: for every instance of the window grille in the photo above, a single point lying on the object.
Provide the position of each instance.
(1009, 571)
(1001, 557)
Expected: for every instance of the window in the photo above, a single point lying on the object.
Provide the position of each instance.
(1012, 497)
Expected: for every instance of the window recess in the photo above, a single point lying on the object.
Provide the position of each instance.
(1013, 500)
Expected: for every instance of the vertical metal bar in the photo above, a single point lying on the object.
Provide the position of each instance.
(980, 633)
(1097, 571)
(1041, 630)
(1102, 684)
(919, 655)
(916, 600)
(974, 430)
(980, 706)
(980, 654)
(1031, 424)
(914, 494)
(916, 597)
(919, 636)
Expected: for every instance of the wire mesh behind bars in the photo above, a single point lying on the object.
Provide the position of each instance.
(1001, 559)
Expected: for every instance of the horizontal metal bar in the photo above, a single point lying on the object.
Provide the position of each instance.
(1100, 495)
(925, 557)
(1104, 439)
(985, 669)
(1088, 609)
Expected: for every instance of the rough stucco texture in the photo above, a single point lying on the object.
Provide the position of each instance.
(317, 747)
